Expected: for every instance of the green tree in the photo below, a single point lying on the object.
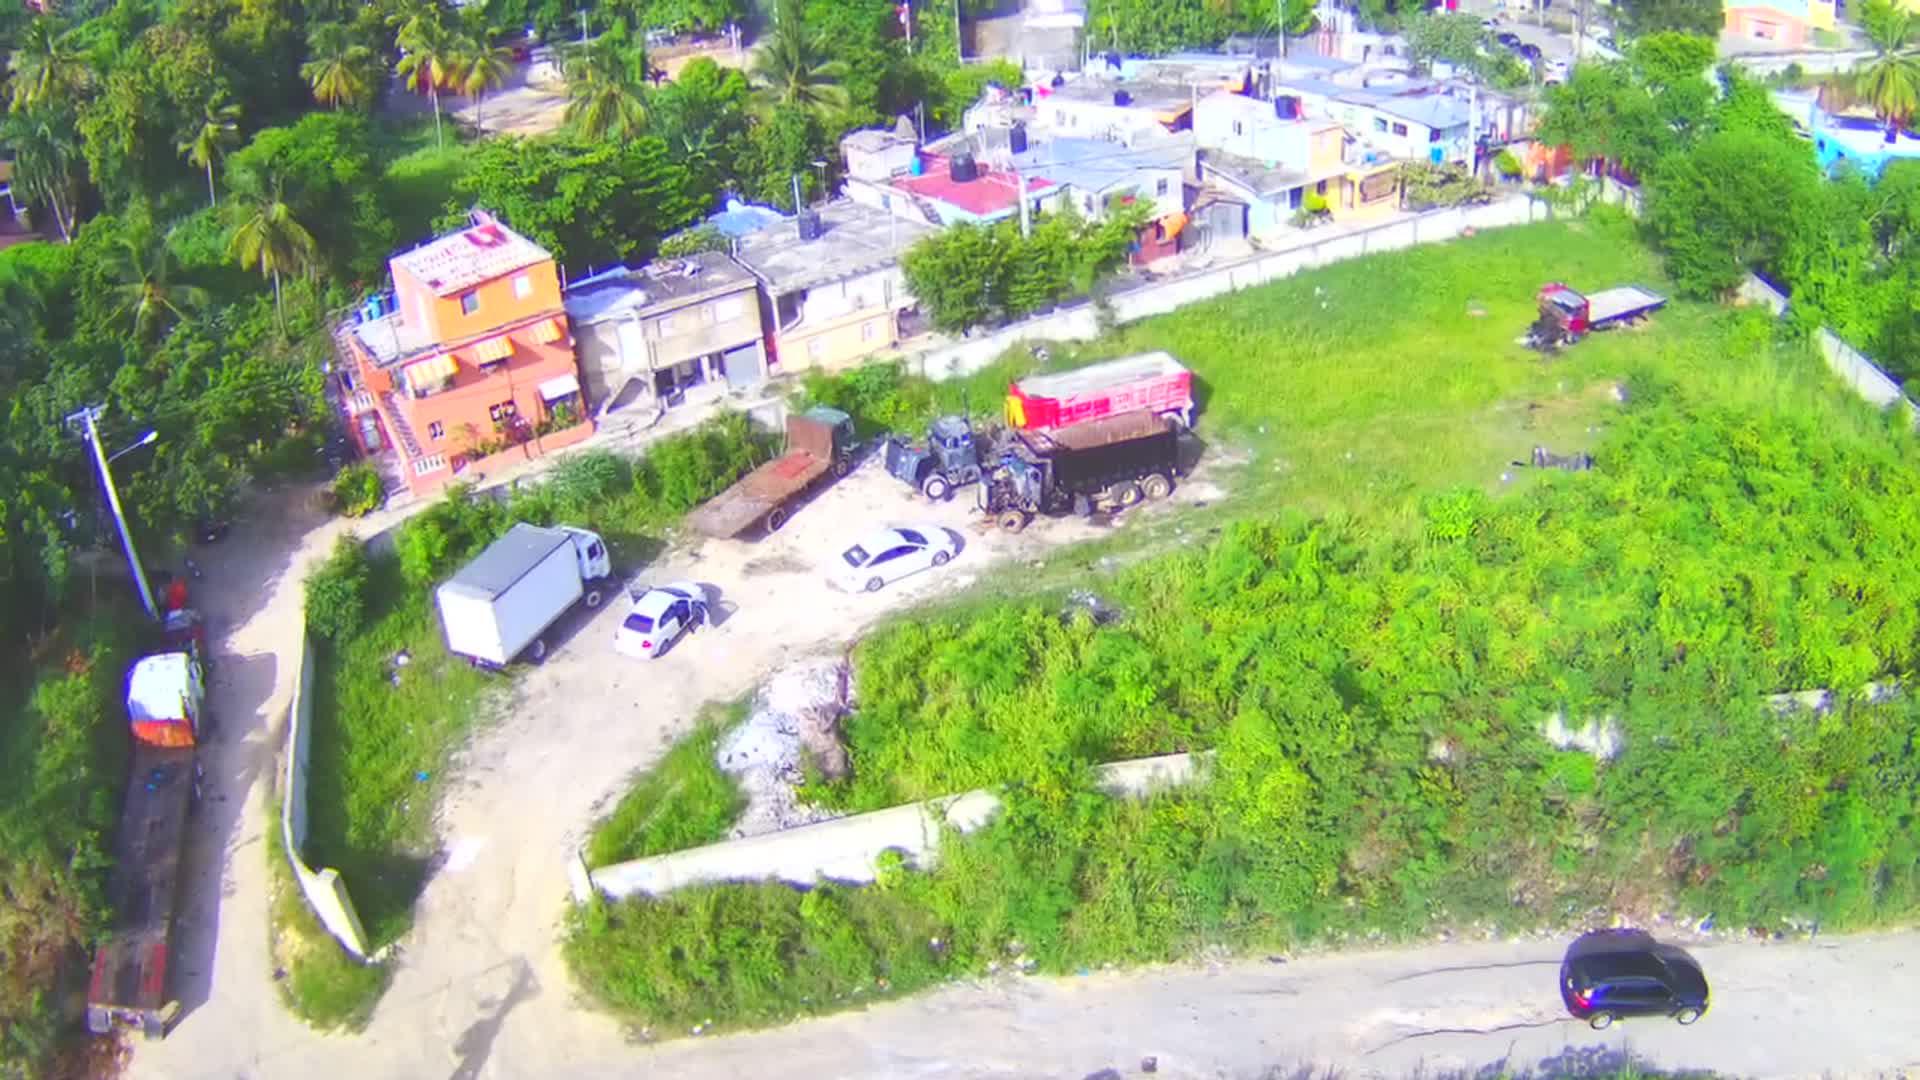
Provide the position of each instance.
(429, 59)
(148, 298)
(1701, 18)
(47, 159)
(590, 202)
(484, 65)
(219, 128)
(702, 115)
(1891, 80)
(606, 87)
(1731, 203)
(793, 66)
(341, 69)
(44, 67)
(270, 239)
(155, 90)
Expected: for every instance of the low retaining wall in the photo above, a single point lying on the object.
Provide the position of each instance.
(326, 893)
(848, 849)
(1080, 321)
(1862, 375)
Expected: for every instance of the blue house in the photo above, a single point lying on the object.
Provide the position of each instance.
(1860, 142)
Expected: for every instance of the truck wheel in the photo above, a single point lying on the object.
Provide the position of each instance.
(775, 519)
(1012, 520)
(1124, 494)
(591, 599)
(538, 650)
(875, 584)
(1157, 486)
(1082, 506)
(937, 488)
(841, 467)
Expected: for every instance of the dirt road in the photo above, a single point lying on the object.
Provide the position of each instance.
(480, 991)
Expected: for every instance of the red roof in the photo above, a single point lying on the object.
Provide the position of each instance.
(991, 194)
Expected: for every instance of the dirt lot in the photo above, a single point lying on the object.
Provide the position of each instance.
(483, 946)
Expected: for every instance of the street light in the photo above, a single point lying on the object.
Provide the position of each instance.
(86, 422)
(148, 439)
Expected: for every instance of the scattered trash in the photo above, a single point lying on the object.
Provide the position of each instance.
(795, 718)
(1149, 1064)
(1097, 609)
(402, 658)
(1276, 959)
(1706, 925)
(1546, 459)
(422, 776)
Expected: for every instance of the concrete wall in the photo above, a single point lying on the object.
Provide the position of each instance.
(326, 893)
(1860, 374)
(848, 849)
(1079, 322)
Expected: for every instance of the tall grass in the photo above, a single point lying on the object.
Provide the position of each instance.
(1372, 648)
(683, 801)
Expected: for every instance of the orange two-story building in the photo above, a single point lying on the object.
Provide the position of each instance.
(468, 363)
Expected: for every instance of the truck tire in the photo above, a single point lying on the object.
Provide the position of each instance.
(841, 467)
(1012, 520)
(537, 651)
(1157, 486)
(937, 488)
(592, 597)
(776, 518)
(1123, 494)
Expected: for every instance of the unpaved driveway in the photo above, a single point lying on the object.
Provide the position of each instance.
(481, 992)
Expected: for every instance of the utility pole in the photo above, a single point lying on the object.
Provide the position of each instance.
(1020, 184)
(86, 422)
(797, 206)
(583, 26)
(1280, 22)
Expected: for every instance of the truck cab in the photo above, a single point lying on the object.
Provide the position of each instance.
(950, 458)
(591, 551)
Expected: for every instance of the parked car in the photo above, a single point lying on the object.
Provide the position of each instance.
(1508, 38)
(1610, 975)
(659, 617)
(1554, 70)
(890, 554)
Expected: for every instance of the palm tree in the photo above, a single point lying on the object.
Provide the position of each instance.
(794, 66)
(606, 87)
(46, 149)
(483, 66)
(45, 67)
(1891, 80)
(143, 294)
(430, 57)
(270, 238)
(218, 129)
(338, 71)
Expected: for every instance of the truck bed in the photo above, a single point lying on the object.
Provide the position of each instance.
(756, 494)
(1617, 303)
(130, 969)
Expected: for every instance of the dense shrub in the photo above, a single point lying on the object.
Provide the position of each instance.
(682, 471)
(336, 591)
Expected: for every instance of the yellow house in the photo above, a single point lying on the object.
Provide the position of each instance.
(1787, 24)
(832, 293)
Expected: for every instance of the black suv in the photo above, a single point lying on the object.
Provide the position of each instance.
(1610, 974)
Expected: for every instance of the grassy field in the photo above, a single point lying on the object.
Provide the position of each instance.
(683, 801)
(1384, 616)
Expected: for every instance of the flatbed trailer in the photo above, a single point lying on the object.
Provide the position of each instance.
(129, 987)
(1566, 314)
(819, 441)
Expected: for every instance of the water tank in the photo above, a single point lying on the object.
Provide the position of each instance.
(917, 167)
(809, 225)
(1286, 107)
(962, 168)
(1017, 139)
(1121, 97)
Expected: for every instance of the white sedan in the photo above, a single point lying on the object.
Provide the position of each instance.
(891, 554)
(659, 617)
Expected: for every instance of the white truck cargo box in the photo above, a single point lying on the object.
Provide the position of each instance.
(500, 603)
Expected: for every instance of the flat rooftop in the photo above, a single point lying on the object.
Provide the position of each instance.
(663, 283)
(479, 253)
(854, 239)
(993, 192)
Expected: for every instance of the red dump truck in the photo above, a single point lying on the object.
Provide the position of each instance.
(819, 441)
(1152, 382)
(1567, 315)
(129, 987)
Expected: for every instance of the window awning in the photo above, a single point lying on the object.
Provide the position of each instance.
(547, 332)
(493, 350)
(556, 388)
(1173, 223)
(428, 373)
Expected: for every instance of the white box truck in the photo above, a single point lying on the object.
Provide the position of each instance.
(497, 607)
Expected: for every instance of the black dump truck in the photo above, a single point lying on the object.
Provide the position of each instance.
(1099, 465)
(949, 459)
